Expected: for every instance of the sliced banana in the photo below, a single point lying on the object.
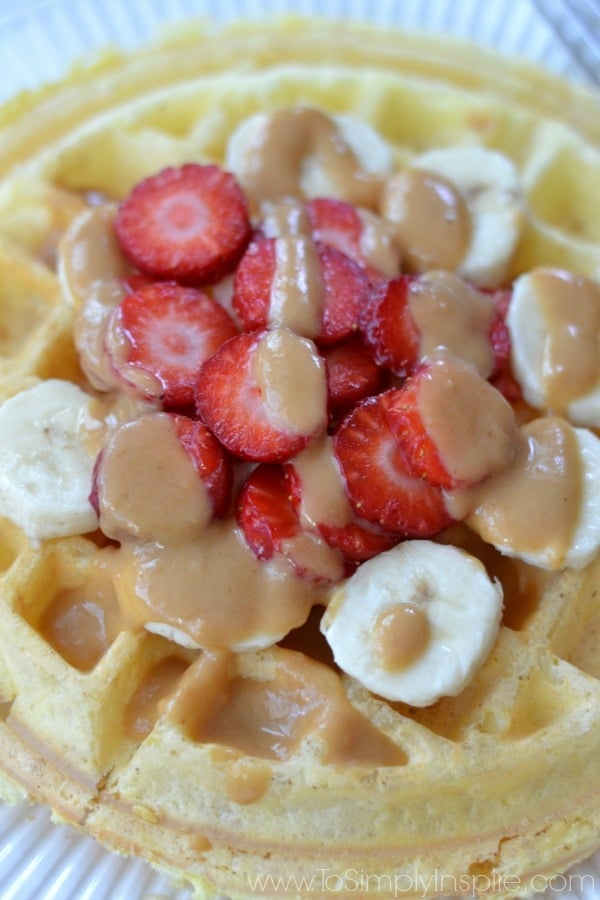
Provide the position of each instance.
(45, 467)
(248, 153)
(554, 325)
(489, 184)
(555, 523)
(414, 623)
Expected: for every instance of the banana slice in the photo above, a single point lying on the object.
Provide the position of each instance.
(489, 184)
(45, 467)
(414, 623)
(554, 325)
(545, 507)
(256, 146)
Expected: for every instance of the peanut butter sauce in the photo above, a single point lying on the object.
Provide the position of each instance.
(400, 635)
(431, 221)
(297, 291)
(214, 589)
(269, 717)
(533, 504)
(454, 320)
(82, 622)
(149, 699)
(292, 380)
(324, 497)
(571, 309)
(274, 164)
(148, 487)
(471, 424)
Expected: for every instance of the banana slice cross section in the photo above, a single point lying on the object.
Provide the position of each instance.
(490, 186)
(414, 623)
(45, 468)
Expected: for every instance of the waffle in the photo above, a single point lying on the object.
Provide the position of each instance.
(491, 791)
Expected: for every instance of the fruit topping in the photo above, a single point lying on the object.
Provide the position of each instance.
(264, 394)
(352, 374)
(188, 224)
(454, 427)
(161, 477)
(382, 487)
(294, 282)
(358, 233)
(159, 336)
(267, 515)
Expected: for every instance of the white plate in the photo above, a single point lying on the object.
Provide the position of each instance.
(38, 38)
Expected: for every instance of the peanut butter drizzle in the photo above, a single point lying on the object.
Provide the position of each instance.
(274, 165)
(148, 485)
(269, 717)
(570, 305)
(431, 221)
(377, 244)
(324, 498)
(82, 622)
(148, 701)
(454, 320)
(214, 589)
(297, 291)
(292, 380)
(93, 265)
(534, 503)
(469, 421)
(400, 635)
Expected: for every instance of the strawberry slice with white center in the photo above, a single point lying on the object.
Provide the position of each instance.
(264, 394)
(158, 337)
(381, 485)
(266, 512)
(317, 489)
(189, 224)
(330, 287)
(358, 233)
(411, 319)
(454, 427)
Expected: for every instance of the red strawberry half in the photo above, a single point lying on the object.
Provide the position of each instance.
(189, 224)
(318, 494)
(268, 518)
(264, 394)
(345, 289)
(159, 336)
(209, 459)
(381, 485)
(352, 374)
(454, 427)
(389, 328)
(342, 226)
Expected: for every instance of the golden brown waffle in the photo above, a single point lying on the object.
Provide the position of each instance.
(499, 783)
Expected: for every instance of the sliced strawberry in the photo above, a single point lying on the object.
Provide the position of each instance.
(472, 406)
(134, 282)
(159, 336)
(381, 486)
(265, 511)
(188, 224)
(342, 226)
(499, 337)
(268, 518)
(345, 289)
(318, 494)
(389, 328)
(352, 374)
(209, 459)
(244, 394)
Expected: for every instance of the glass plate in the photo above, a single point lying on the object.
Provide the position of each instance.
(38, 39)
